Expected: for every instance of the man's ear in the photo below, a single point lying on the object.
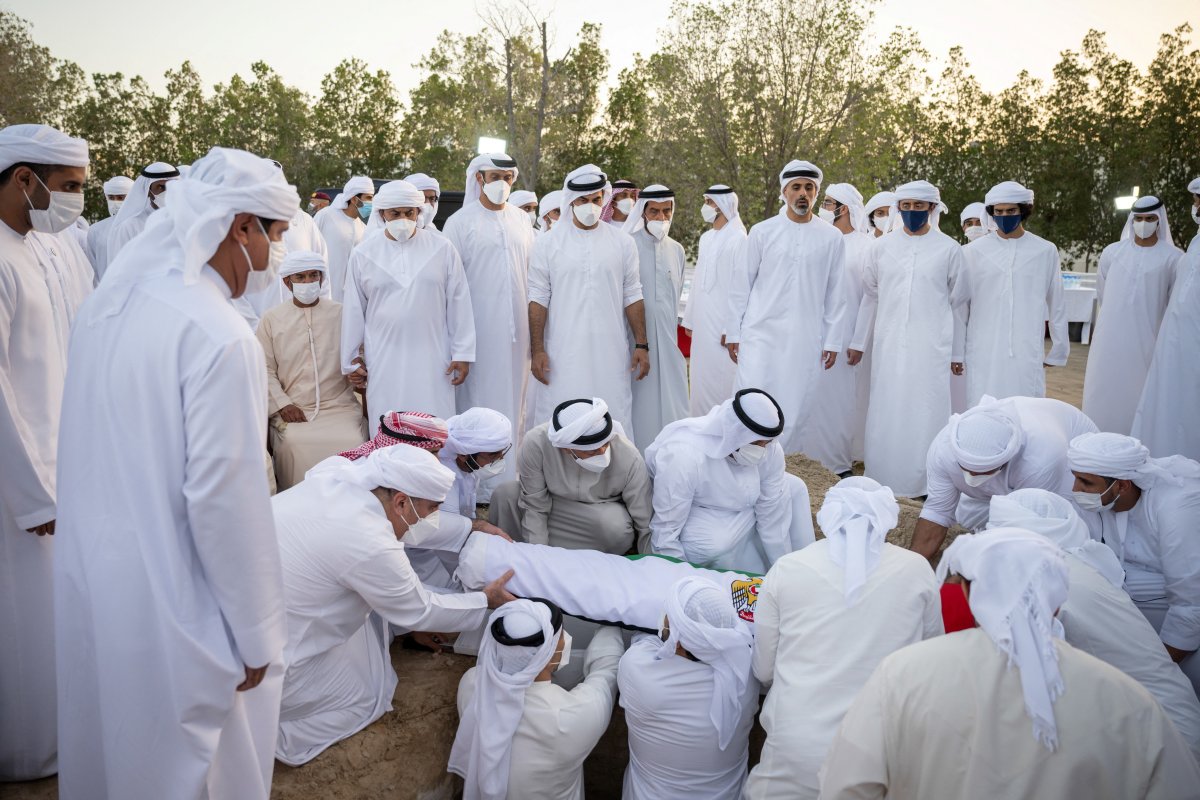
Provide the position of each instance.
(239, 231)
(287, 281)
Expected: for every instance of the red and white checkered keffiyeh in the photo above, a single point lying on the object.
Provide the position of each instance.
(415, 428)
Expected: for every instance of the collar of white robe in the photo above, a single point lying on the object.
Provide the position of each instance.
(1053, 516)
(1018, 582)
(701, 618)
(482, 750)
(1112, 455)
(986, 436)
(855, 517)
(581, 424)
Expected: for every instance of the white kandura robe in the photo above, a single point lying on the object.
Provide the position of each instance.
(559, 728)
(341, 234)
(585, 279)
(815, 652)
(1102, 620)
(662, 396)
(1165, 421)
(42, 282)
(408, 307)
(495, 247)
(304, 370)
(1133, 286)
(123, 233)
(97, 245)
(714, 512)
(918, 331)
(712, 371)
(1041, 463)
(786, 305)
(167, 577)
(1009, 288)
(946, 719)
(835, 428)
(342, 562)
(673, 743)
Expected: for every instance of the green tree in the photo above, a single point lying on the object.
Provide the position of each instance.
(356, 126)
(34, 85)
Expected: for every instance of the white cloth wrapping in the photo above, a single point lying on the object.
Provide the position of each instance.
(1018, 580)
(359, 184)
(117, 184)
(301, 261)
(1163, 422)
(1008, 289)
(1111, 455)
(855, 517)
(476, 430)
(1133, 287)
(581, 419)
(975, 211)
(483, 744)
(987, 436)
(1008, 192)
(154, 637)
(481, 163)
(701, 620)
(550, 202)
(135, 212)
(850, 197)
(880, 200)
(411, 470)
(712, 371)
(585, 279)
(408, 306)
(40, 144)
(786, 305)
(1055, 517)
(522, 197)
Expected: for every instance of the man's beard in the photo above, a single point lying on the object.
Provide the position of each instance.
(800, 207)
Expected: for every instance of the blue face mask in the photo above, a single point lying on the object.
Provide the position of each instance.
(1007, 224)
(364, 211)
(914, 220)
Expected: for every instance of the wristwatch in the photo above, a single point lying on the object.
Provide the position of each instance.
(641, 346)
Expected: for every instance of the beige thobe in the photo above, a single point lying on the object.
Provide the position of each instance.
(558, 502)
(302, 350)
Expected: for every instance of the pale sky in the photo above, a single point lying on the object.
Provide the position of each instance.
(304, 39)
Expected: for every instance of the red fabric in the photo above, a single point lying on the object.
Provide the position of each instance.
(956, 614)
(684, 341)
(414, 428)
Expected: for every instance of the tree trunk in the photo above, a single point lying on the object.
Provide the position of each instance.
(508, 79)
(535, 160)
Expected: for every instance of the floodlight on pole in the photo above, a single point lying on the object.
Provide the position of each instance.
(490, 144)
(1125, 202)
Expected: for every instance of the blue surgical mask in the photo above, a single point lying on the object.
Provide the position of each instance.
(914, 220)
(364, 211)
(1007, 224)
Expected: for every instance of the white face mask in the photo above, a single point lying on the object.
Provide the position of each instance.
(306, 293)
(1144, 229)
(594, 463)
(491, 470)
(532, 218)
(423, 529)
(259, 280)
(114, 206)
(60, 214)
(975, 232)
(975, 481)
(497, 192)
(428, 212)
(748, 455)
(588, 214)
(625, 205)
(1094, 501)
(1196, 215)
(401, 229)
(278, 254)
(565, 658)
(708, 213)
(658, 228)
(826, 214)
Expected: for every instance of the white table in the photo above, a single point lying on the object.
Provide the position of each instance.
(1081, 307)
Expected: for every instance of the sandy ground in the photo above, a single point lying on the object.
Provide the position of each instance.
(403, 755)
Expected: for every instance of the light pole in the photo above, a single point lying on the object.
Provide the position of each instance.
(489, 144)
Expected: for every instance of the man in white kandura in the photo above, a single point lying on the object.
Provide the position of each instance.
(116, 189)
(43, 280)
(170, 645)
(142, 200)
(975, 222)
(585, 297)
(1011, 284)
(879, 212)
(786, 302)
(519, 734)
(1149, 510)
(311, 405)
(908, 291)
(1163, 422)
(528, 202)
(722, 496)
(1099, 617)
(995, 448)
(1133, 287)
(951, 717)
(689, 699)
(549, 211)
(494, 239)
(407, 318)
(662, 396)
(346, 576)
(582, 484)
(342, 225)
(712, 372)
(826, 616)
(433, 192)
(835, 429)
(476, 443)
